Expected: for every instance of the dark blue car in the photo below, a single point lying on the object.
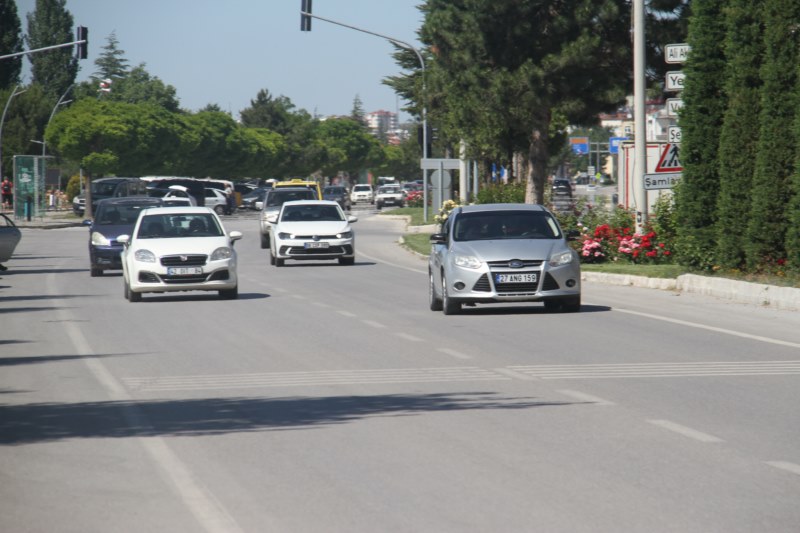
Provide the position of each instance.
(112, 218)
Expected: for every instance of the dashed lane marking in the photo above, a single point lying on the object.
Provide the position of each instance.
(685, 431)
(662, 370)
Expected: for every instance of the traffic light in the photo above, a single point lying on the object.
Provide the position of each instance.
(305, 20)
(82, 35)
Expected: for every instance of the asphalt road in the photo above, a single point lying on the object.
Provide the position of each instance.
(329, 398)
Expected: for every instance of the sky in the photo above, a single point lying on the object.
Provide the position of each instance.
(224, 52)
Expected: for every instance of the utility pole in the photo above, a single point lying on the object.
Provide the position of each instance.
(640, 120)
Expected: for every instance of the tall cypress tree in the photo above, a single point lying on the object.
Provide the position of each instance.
(737, 143)
(10, 43)
(700, 121)
(111, 62)
(51, 24)
(769, 217)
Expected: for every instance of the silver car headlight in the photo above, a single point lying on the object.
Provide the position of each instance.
(344, 235)
(145, 256)
(561, 259)
(467, 261)
(98, 239)
(221, 253)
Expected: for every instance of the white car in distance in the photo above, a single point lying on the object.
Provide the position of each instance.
(179, 249)
(312, 230)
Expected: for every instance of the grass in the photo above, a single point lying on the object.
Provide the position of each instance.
(420, 243)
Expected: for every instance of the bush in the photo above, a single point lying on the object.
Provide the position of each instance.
(502, 193)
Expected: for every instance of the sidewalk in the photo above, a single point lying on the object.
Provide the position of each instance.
(46, 220)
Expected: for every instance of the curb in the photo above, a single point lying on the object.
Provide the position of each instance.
(773, 296)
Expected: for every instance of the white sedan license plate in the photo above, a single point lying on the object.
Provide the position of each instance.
(184, 271)
(316, 245)
(515, 278)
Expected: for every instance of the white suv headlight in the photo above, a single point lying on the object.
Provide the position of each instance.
(221, 253)
(145, 256)
(466, 261)
(561, 258)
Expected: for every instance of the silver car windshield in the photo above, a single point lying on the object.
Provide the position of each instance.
(505, 225)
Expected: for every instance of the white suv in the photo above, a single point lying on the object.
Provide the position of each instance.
(362, 192)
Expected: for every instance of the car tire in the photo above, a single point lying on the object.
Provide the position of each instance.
(95, 272)
(449, 306)
(379, 206)
(126, 292)
(278, 262)
(229, 294)
(271, 259)
(219, 209)
(434, 301)
(264, 242)
(133, 296)
(347, 260)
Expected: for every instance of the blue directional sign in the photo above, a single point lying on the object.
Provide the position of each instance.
(580, 145)
(613, 144)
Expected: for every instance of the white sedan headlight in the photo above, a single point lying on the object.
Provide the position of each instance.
(283, 235)
(221, 253)
(98, 239)
(561, 258)
(466, 261)
(145, 256)
(344, 235)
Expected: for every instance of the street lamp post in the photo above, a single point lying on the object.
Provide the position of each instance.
(3, 119)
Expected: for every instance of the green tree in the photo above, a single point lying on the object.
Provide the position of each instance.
(504, 68)
(357, 113)
(268, 112)
(777, 142)
(25, 120)
(701, 121)
(139, 87)
(11, 42)
(737, 149)
(347, 147)
(51, 24)
(111, 63)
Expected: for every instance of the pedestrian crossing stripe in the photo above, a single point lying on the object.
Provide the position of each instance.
(669, 161)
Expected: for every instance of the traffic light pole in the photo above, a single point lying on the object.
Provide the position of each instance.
(306, 26)
(55, 46)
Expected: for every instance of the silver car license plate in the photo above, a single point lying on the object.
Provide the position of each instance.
(515, 278)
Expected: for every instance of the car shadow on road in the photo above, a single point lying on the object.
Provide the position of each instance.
(535, 309)
(199, 296)
(48, 422)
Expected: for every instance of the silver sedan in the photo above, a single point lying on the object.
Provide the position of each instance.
(495, 253)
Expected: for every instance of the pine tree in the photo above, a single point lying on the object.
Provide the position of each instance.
(776, 149)
(701, 121)
(51, 24)
(10, 43)
(738, 138)
(111, 62)
(357, 113)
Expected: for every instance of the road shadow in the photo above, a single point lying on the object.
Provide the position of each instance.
(533, 309)
(39, 359)
(48, 422)
(200, 296)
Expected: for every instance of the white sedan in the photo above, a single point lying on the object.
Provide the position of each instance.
(179, 249)
(312, 230)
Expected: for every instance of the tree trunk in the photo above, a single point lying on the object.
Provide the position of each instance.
(537, 167)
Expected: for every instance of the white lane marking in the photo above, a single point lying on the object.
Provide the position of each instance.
(374, 324)
(299, 297)
(348, 314)
(516, 375)
(323, 305)
(280, 289)
(710, 328)
(582, 396)
(408, 336)
(327, 377)
(454, 353)
(372, 258)
(662, 370)
(785, 465)
(204, 506)
(685, 431)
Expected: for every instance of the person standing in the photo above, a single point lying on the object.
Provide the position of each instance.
(7, 190)
(230, 198)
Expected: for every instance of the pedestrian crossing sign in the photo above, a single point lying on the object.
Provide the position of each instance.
(669, 162)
